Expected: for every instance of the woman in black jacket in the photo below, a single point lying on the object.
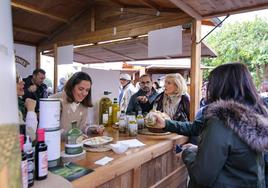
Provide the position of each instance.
(234, 134)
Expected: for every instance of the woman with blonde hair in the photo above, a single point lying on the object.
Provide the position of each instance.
(174, 100)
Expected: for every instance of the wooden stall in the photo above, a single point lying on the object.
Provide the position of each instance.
(96, 24)
(154, 164)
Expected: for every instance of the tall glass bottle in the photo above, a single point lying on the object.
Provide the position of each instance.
(24, 164)
(41, 163)
(115, 111)
(105, 105)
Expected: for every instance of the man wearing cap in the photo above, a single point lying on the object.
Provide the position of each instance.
(144, 98)
(126, 91)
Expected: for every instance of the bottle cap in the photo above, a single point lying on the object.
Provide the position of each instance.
(21, 141)
(28, 144)
(40, 135)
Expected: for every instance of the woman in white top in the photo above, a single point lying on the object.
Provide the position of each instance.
(27, 113)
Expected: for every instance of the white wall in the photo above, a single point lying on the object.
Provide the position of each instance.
(103, 80)
(28, 53)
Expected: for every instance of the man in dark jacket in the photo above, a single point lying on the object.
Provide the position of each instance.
(144, 98)
(34, 87)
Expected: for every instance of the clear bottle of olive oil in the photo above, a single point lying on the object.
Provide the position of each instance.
(105, 106)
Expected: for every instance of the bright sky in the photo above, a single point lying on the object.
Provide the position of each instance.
(239, 18)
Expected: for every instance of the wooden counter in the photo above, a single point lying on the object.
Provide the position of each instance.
(152, 165)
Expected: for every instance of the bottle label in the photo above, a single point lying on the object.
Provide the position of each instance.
(118, 115)
(24, 173)
(43, 164)
(133, 129)
(105, 118)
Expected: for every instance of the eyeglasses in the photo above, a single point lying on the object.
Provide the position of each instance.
(143, 83)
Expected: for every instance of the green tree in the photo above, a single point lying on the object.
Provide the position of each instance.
(246, 42)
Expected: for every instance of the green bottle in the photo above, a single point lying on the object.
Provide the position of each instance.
(74, 140)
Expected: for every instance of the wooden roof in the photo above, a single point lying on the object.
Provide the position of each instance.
(44, 23)
(131, 50)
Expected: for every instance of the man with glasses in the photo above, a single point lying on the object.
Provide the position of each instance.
(144, 98)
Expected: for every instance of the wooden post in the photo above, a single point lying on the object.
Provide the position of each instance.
(195, 68)
(55, 68)
(92, 19)
(37, 58)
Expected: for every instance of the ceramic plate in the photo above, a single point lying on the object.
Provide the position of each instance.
(97, 141)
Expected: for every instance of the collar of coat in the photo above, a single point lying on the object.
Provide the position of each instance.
(250, 126)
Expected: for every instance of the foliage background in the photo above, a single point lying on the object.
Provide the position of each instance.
(246, 42)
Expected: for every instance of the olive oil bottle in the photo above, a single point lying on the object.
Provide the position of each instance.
(115, 112)
(105, 106)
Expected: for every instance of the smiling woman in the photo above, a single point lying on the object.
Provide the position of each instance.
(75, 100)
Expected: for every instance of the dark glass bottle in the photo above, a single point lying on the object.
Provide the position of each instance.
(24, 164)
(41, 163)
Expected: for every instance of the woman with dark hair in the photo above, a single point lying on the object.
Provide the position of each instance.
(234, 134)
(75, 100)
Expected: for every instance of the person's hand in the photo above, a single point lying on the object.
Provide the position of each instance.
(32, 88)
(142, 99)
(189, 145)
(159, 120)
(30, 104)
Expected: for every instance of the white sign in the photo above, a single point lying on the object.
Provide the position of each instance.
(65, 55)
(102, 80)
(8, 94)
(165, 42)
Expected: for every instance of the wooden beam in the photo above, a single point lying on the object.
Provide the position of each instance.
(30, 31)
(119, 54)
(187, 9)
(237, 11)
(55, 68)
(25, 43)
(35, 10)
(92, 19)
(149, 11)
(195, 68)
(151, 4)
(118, 2)
(38, 58)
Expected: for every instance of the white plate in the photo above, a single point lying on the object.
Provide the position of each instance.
(97, 141)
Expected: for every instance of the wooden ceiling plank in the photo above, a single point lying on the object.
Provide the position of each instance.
(30, 31)
(63, 27)
(149, 11)
(98, 59)
(122, 32)
(117, 53)
(187, 9)
(118, 2)
(92, 19)
(35, 10)
(151, 4)
(237, 11)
